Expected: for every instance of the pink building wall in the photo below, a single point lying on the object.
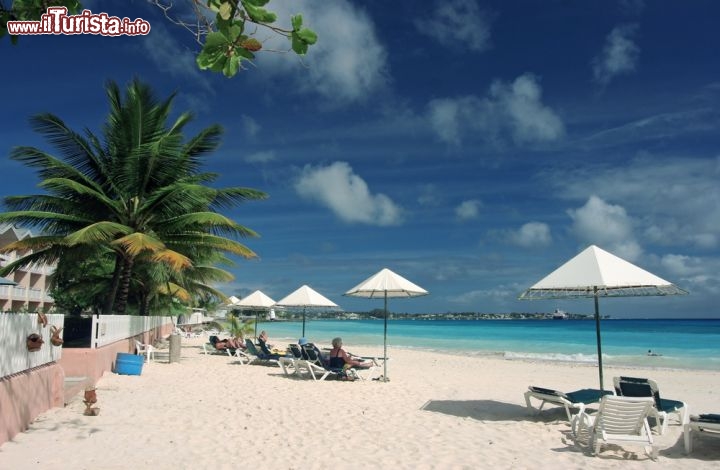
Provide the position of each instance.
(24, 396)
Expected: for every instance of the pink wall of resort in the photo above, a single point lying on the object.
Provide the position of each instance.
(23, 396)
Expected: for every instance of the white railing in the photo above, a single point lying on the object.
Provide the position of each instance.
(14, 330)
(107, 329)
(35, 294)
(4, 291)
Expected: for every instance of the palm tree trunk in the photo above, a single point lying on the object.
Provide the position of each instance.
(124, 290)
(144, 303)
(110, 299)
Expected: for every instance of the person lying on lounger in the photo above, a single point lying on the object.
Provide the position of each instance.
(229, 343)
(341, 359)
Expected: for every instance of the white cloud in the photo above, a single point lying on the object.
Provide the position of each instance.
(619, 55)
(249, 125)
(530, 120)
(458, 23)
(430, 196)
(468, 209)
(681, 265)
(171, 57)
(678, 199)
(347, 64)
(510, 110)
(532, 235)
(261, 157)
(607, 226)
(445, 115)
(337, 187)
(632, 7)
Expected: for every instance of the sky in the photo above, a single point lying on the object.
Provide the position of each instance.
(469, 146)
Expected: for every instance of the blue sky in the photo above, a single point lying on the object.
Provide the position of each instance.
(470, 146)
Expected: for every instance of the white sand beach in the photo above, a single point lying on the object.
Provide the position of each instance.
(438, 411)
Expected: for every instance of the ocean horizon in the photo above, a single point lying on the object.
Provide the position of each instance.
(687, 344)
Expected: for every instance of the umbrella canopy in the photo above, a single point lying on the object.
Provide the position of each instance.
(306, 297)
(232, 300)
(596, 273)
(386, 284)
(257, 300)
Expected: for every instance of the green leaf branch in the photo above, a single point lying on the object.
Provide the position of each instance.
(226, 30)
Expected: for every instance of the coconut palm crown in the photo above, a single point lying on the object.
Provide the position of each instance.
(136, 195)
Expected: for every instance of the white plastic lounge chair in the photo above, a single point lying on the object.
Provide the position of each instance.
(641, 387)
(186, 334)
(619, 420)
(259, 356)
(145, 349)
(576, 400)
(295, 363)
(709, 424)
(315, 365)
(244, 358)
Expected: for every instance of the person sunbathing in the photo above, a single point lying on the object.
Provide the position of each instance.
(341, 359)
(229, 343)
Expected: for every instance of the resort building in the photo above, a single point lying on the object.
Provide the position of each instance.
(26, 290)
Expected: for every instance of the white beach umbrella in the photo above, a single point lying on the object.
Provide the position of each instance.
(596, 273)
(257, 301)
(306, 297)
(386, 284)
(232, 300)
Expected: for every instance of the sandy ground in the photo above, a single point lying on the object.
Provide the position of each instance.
(438, 411)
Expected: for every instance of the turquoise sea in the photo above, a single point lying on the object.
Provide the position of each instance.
(680, 344)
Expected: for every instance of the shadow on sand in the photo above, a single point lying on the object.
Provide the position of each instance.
(491, 410)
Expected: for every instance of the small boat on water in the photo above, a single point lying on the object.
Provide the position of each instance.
(559, 314)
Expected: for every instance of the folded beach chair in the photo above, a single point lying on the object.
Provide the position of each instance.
(576, 400)
(708, 424)
(619, 420)
(641, 387)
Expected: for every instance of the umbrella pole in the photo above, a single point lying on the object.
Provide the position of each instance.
(256, 322)
(303, 334)
(385, 376)
(597, 333)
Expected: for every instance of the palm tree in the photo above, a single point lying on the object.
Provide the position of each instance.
(137, 193)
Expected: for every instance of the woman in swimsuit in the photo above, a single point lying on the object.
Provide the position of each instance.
(340, 359)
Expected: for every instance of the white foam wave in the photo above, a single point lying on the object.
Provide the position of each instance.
(551, 357)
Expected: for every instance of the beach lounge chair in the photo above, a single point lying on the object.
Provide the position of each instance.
(315, 365)
(210, 348)
(709, 424)
(619, 420)
(296, 362)
(145, 349)
(259, 355)
(186, 334)
(641, 387)
(576, 400)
